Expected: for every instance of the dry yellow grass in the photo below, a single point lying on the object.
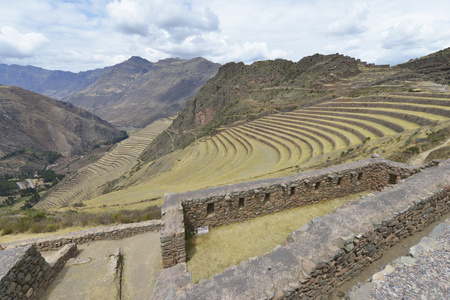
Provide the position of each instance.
(249, 152)
(92, 180)
(24, 236)
(229, 245)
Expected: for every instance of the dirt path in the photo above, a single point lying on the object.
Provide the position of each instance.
(419, 159)
(96, 278)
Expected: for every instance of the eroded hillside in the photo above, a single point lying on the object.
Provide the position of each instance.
(31, 121)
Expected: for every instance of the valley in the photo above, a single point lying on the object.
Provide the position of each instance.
(369, 109)
(262, 121)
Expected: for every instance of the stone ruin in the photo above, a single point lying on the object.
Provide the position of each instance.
(319, 256)
(315, 259)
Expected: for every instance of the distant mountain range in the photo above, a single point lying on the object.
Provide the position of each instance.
(31, 124)
(133, 93)
(56, 84)
(138, 92)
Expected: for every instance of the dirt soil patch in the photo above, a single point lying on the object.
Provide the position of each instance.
(95, 276)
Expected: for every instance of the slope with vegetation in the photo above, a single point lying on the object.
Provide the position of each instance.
(100, 177)
(276, 118)
(35, 129)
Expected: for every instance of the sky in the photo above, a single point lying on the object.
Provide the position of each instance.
(79, 35)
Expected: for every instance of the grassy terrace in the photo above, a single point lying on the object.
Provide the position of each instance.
(84, 184)
(276, 145)
(229, 245)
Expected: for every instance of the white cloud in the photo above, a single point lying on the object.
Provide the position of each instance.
(157, 18)
(130, 17)
(86, 34)
(405, 35)
(352, 22)
(19, 45)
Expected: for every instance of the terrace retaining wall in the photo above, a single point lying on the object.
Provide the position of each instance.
(88, 235)
(236, 203)
(24, 273)
(319, 256)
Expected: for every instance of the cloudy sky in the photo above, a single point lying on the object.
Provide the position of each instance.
(78, 35)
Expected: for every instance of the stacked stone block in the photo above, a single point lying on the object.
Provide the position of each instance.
(93, 234)
(322, 255)
(173, 243)
(24, 273)
(223, 206)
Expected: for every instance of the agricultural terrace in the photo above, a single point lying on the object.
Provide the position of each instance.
(286, 143)
(93, 180)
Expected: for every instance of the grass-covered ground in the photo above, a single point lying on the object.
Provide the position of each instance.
(229, 245)
(23, 224)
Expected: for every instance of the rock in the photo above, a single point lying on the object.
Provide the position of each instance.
(362, 293)
(426, 244)
(380, 276)
(376, 155)
(404, 261)
(82, 260)
(29, 293)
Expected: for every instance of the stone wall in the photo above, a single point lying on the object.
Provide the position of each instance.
(173, 244)
(24, 273)
(236, 203)
(322, 255)
(260, 198)
(93, 234)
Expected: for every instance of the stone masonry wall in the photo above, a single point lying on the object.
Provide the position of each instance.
(235, 203)
(265, 197)
(173, 244)
(322, 255)
(93, 234)
(24, 273)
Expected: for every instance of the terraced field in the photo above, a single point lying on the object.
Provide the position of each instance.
(286, 143)
(91, 181)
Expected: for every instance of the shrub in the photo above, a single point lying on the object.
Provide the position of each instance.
(7, 230)
(52, 227)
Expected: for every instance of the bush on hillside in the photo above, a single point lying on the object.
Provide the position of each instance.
(40, 221)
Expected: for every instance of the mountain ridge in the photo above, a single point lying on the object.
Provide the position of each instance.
(138, 92)
(133, 93)
(56, 84)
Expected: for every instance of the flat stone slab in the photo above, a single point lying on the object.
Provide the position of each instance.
(424, 273)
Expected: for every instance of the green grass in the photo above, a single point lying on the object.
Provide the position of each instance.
(31, 221)
(229, 245)
(441, 153)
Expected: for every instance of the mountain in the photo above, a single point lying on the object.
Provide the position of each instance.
(240, 93)
(37, 124)
(138, 92)
(435, 65)
(56, 84)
